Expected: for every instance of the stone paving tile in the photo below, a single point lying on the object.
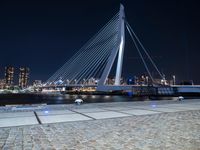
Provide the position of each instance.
(186, 108)
(139, 112)
(179, 105)
(144, 107)
(117, 108)
(174, 130)
(195, 104)
(18, 121)
(160, 109)
(62, 118)
(86, 110)
(24, 108)
(106, 114)
(167, 131)
(16, 114)
(53, 112)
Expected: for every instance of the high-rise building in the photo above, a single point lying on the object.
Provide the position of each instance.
(9, 75)
(23, 76)
(2, 83)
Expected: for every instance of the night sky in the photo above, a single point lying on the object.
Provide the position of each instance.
(43, 35)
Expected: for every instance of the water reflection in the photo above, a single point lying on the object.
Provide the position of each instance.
(61, 99)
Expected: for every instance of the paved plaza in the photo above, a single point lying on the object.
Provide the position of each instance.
(167, 124)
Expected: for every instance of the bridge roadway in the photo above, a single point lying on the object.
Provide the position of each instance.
(172, 89)
(106, 87)
(67, 86)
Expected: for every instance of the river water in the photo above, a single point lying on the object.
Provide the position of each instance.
(13, 99)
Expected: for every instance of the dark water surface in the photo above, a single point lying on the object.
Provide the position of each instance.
(7, 99)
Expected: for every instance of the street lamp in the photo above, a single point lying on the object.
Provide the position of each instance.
(174, 79)
(147, 80)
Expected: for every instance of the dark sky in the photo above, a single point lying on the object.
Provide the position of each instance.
(43, 35)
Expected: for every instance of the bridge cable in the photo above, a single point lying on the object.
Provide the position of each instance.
(77, 59)
(153, 63)
(146, 67)
(90, 57)
(91, 42)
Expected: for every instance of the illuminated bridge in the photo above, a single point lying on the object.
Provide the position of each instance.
(91, 65)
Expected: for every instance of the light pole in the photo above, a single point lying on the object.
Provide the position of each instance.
(174, 79)
(147, 80)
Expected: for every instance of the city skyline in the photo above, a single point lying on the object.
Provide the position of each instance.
(46, 38)
(14, 76)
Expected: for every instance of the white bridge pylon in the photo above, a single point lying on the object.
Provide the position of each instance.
(93, 62)
(117, 49)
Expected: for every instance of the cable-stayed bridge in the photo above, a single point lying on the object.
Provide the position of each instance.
(92, 64)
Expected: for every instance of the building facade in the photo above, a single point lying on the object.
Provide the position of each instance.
(9, 75)
(2, 83)
(23, 76)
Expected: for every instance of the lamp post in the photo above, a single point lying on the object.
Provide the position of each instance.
(174, 79)
(147, 80)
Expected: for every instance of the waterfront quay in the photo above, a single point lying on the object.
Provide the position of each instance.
(144, 125)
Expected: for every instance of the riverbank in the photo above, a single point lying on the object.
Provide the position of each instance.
(35, 98)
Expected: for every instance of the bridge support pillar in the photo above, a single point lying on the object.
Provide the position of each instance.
(121, 46)
(118, 49)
